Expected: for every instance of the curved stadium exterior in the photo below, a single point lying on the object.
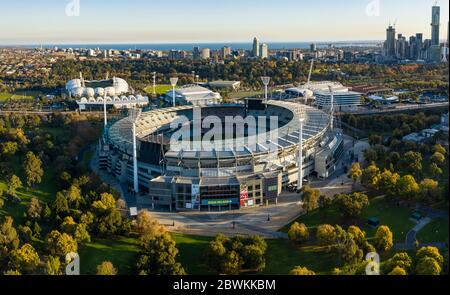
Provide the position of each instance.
(245, 172)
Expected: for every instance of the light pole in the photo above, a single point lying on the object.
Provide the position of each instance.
(133, 117)
(301, 119)
(173, 82)
(331, 107)
(266, 81)
(105, 119)
(154, 83)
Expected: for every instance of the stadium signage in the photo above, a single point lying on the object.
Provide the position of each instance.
(219, 202)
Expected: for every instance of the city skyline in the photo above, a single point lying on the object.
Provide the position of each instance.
(103, 22)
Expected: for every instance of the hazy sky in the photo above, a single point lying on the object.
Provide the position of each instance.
(171, 21)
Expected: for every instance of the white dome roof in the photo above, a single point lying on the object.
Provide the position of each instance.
(100, 91)
(110, 91)
(90, 92)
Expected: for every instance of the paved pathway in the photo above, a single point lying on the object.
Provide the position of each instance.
(411, 235)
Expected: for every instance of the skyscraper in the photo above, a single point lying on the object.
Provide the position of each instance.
(389, 45)
(255, 47)
(434, 51)
(435, 23)
(264, 51)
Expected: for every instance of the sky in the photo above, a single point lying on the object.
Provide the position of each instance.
(184, 21)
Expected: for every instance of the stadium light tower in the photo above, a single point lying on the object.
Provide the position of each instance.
(301, 115)
(266, 81)
(173, 82)
(133, 117)
(105, 119)
(154, 83)
(331, 106)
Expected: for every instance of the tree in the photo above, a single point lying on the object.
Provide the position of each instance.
(106, 268)
(387, 182)
(230, 255)
(346, 247)
(407, 187)
(61, 205)
(428, 266)
(14, 183)
(355, 172)
(298, 233)
(310, 198)
(9, 239)
(429, 190)
(60, 244)
(25, 259)
(383, 238)
(436, 171)
(148, 226)
(159, 257)
(105, 203)
(73, 196)
(351, 205)
(370, 176)
(52, 266)
(358, 235)
(301, 271)
(326, 235)
(33, 169)
(432, 252)
(438, 158)
(412, 162)
(8, 149)
(398, 271)
(77, 230)
(439, 149)
(401, 260)
(34, 209)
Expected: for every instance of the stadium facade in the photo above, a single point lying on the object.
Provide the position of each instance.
(250, 170)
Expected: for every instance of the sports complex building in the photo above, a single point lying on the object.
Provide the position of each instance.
(249, 169)
(112, 93)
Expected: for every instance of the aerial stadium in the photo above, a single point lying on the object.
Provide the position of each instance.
(251, 170)
(114, 93)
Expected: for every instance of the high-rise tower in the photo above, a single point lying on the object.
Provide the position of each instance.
(256, 47)
(435, 23)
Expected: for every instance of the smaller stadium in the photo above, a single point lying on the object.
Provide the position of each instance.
(112, 92)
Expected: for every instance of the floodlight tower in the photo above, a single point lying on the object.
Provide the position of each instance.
(173, 82)
(266, 81)
(105, 119)
(301, 116)
(331, 107)
(133, 117)
(154, 83)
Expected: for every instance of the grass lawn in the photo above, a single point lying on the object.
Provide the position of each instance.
(283, 256)
(397, 218)
(121, 251)
(191, 252)
(5, 96)
(19, 95)
(435, 231)
(45, 191)
(160, 89)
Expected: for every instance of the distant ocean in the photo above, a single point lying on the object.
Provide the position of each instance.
(212, 46)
